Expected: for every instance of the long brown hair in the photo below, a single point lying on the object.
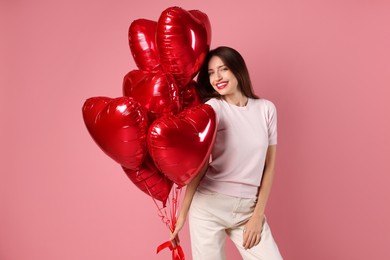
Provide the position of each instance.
(235, 62)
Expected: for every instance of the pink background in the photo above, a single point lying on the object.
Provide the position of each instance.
(325, 64)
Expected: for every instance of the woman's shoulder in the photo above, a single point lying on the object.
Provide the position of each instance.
(265, 103)
(214, 102)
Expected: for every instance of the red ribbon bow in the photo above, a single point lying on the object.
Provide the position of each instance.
(177, 252)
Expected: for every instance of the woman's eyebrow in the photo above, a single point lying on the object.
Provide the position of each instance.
(219, 67)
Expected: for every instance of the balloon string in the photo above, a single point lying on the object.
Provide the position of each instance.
(170, 222)
(173, 200)
(177, 252)
(162, 214)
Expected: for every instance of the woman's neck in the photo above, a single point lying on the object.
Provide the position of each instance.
(239, 99)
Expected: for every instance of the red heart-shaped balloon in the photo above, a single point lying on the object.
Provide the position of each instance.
(149, 180)
(119, 127)
(131, 79)
(182, 43)
(190, 95)
(181, 144)
(206, 22)
(155, 91)
(142, 42)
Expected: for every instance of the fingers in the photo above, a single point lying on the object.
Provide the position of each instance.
(250, 239)
(178, 227)
(173, 235)
(175, 243)
(258, 238)
(175, 238)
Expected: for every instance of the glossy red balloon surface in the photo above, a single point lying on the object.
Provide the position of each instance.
(119, 127)
(155, 91)
(190, 95)
(132, 78)
(142, 42)
(182, 43)
(206, 22)
(150, 180)
(181, 144)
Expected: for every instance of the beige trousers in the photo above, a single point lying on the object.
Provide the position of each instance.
(215, 216)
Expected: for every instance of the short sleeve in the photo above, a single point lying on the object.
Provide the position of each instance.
(272, 123)
(216, 107)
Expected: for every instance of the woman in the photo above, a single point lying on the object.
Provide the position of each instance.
(228, 197)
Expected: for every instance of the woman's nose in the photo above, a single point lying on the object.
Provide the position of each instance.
(218, 75)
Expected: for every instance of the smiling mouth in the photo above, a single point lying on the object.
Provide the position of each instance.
(221, 85)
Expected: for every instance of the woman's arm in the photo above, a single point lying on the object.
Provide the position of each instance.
(255, 224)
(189, 194)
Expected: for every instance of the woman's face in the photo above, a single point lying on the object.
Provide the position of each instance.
(222, 78)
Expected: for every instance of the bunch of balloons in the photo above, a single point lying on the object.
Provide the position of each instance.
(158, 131)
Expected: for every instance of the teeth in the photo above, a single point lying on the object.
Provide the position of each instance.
(222, 84)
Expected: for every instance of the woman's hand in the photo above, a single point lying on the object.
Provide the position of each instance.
(175, 234)
(252, 231)
(190, 191)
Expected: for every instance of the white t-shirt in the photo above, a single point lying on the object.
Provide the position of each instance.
(238, 156)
